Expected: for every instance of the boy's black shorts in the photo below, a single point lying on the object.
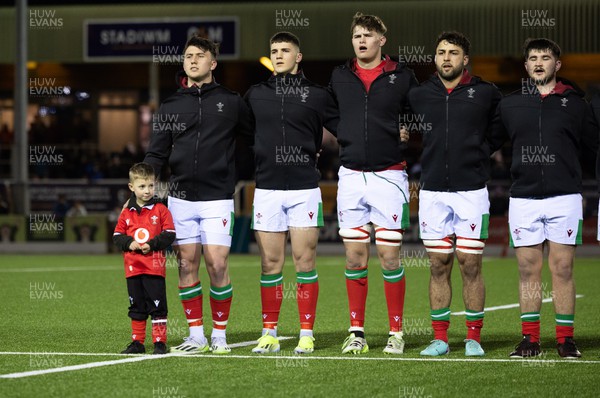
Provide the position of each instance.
(147, 296)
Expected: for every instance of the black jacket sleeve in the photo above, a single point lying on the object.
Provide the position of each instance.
(159, 150)
(497, 135)
(122, 242)
(332, 114)
(161, 241)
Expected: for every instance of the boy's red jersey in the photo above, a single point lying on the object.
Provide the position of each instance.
(150, 222)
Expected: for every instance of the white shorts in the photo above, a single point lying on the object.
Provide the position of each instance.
(275, 210)
(464, 213)
(558, 219)
(207, 222)
(380, 197)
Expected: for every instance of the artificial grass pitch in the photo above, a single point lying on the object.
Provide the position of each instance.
(78, 304)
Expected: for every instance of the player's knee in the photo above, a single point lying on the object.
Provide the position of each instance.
(356, 235)
(443, 246)
(470, 246)
(388, 237)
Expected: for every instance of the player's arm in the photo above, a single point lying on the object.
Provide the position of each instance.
(159, 149)
(332, 113)
(120, 237)
(497, 135)
(245, 125)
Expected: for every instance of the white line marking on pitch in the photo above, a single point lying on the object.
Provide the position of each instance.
(102, 363)
(507, 306)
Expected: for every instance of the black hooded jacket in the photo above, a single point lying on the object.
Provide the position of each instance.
(369, 122)
(547, 134)
(195, 131)
(454, 127)
(289, 113)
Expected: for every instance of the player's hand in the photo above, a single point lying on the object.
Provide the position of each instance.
(145, 248)
(404, 134)
(135, 246)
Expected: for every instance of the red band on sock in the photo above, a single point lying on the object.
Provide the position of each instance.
(159, 330)
(357, 299)
(474, 330)
(271, 298)
(440, 330)
(138, 330)
(220, 312)
(193, 310)
(532, 329)
(307, 295)
(562, 332)
(394, 296)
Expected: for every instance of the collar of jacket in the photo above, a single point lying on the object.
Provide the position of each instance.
(390, 64)
(132, 205)
(299, 75)
(466, 80)
(181, 79)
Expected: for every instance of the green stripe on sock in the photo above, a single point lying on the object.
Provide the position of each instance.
(271, 280)
(530, 317)
(578, 240)
(252, 219)
(187, 293)
(320, 221)
(356, 273)
(405, 216)
(485, 224)
(474, 315)
(307, 277)
(221, 293)
(443, 314)
(231, 224)
(394, 275)
(565, 320)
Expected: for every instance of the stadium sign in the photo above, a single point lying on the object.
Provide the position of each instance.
(155, 39)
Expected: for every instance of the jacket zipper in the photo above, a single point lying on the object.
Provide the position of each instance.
(446, 147)
(285, 171)
(198, 131)
(541, 143)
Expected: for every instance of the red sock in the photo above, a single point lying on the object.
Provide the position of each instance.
(357, 288)
(220, 312)
(440, 330)
(192, 304)
(532, 329)
(562, 332)
(394, 296)
(271, 298)
(159, 330)
(307, 295)
(138, 330)
(474, 330)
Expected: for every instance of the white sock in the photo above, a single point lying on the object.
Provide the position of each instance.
(306, 332)
(197, 332)
(272, 332)
(217, 333)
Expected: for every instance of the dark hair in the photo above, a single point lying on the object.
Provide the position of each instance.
(541, 44)
(456, 38)
(369, 22)
(141, 170)
(285, 37)
(204, 44)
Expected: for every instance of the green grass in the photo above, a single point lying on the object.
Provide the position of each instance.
(84, 310)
